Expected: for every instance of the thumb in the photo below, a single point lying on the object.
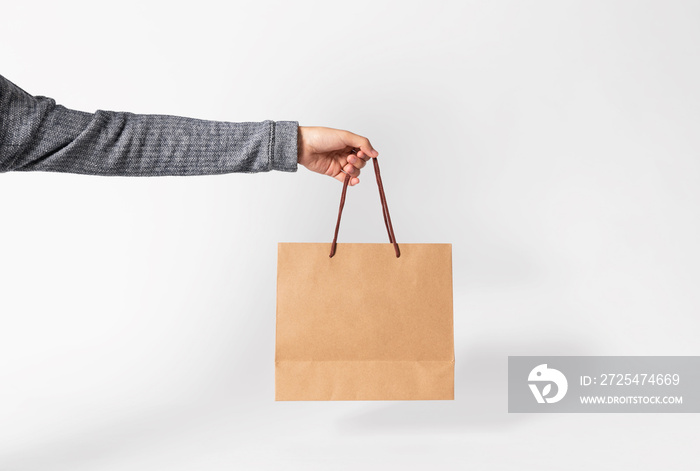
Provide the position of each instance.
(354, 140)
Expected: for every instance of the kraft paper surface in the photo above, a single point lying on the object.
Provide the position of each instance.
(364, 325)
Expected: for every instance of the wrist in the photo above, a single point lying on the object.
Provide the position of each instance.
(302, 151)
(300, 143)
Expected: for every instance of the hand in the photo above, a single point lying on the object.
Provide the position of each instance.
(332, 151)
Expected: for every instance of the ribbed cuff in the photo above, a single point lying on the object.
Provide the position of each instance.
(285, 152)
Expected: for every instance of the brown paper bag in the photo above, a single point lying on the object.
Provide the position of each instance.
(370, 322)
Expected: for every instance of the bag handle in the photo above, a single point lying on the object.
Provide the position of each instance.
(385, 210)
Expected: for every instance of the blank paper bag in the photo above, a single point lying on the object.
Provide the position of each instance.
(368, 322)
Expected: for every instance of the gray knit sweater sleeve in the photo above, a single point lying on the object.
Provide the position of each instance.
(36, 134)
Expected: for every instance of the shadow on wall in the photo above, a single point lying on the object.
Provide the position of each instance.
(481, 396)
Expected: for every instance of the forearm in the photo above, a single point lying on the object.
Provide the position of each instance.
(36, 134)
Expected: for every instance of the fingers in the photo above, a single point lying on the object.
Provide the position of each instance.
(362, 152)
(351, 170)
(358, 160)
(348, 169)
(351, 166)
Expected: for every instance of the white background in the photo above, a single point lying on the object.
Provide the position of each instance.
(555, 144)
